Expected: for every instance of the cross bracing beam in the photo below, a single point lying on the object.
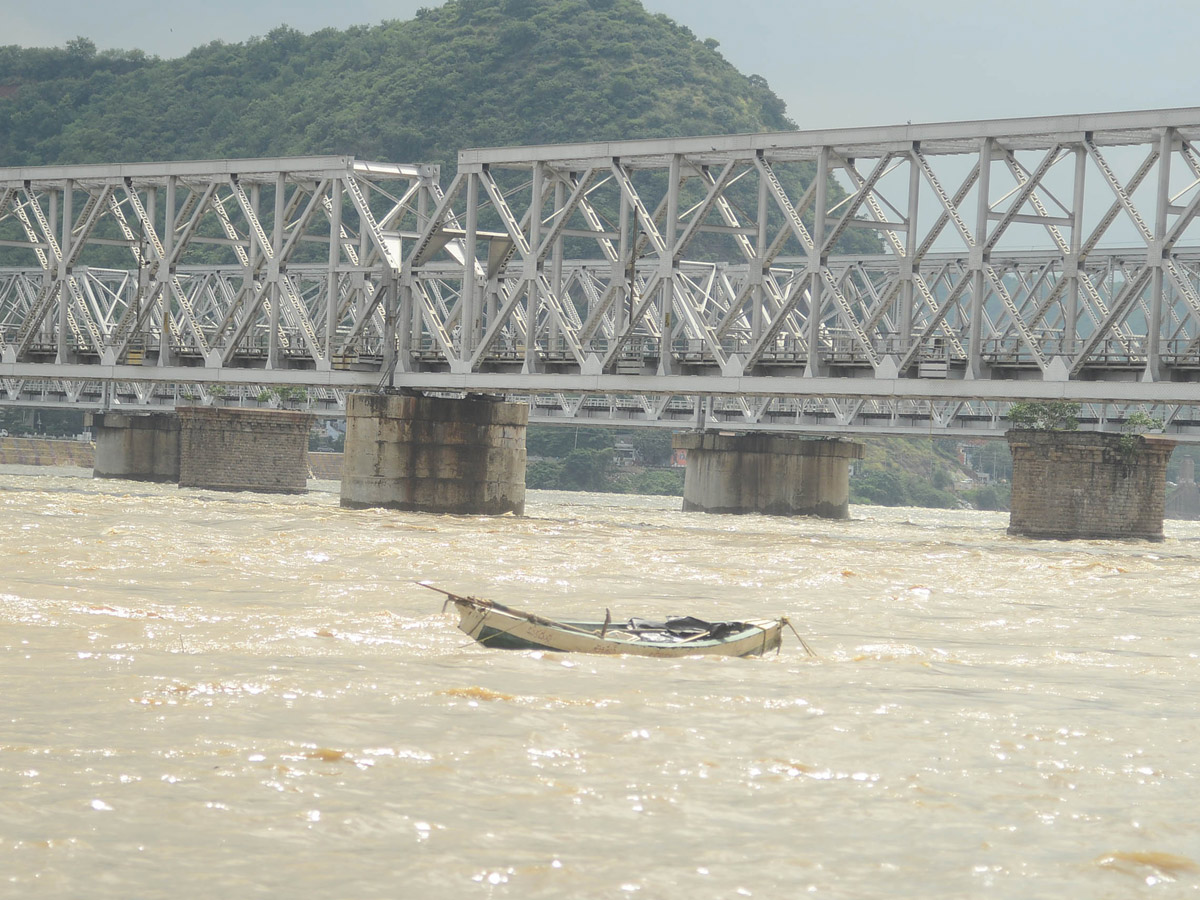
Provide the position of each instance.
(949, 264)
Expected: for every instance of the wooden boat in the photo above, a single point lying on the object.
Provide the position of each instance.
(496, 625)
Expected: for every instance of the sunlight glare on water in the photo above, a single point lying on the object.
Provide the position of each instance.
(248, 694)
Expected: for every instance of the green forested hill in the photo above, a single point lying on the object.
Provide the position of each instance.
(466, 74)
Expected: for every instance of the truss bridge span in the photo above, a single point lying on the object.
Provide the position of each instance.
(904, 278)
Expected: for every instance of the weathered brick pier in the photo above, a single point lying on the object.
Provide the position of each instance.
(1088, 484)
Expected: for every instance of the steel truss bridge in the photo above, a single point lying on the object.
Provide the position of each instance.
(910, 278)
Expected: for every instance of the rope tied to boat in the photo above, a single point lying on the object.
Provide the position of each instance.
(803, 643)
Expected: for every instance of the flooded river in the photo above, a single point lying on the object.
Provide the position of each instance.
(238, 695)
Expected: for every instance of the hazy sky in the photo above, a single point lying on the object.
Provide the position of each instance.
(869, 62)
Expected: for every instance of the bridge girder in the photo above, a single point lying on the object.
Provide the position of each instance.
(716, 271)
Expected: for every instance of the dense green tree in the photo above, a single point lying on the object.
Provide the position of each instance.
(652, 445)
(663, 482)
(582, 459)
(990, 496)
(557, 441)
(880, 488)
(587, 470)
(922, 493)
(544, 474)
(898, 488)
(1047, 415)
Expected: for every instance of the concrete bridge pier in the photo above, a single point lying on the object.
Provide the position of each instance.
(1088, 484)
(434, 454)
(771, 474)
(141, 447)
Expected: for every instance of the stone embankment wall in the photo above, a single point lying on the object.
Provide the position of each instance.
(21, 451)
(325, 466)
(434, 454)
(244, 449)
(1087, 484)
(771, 474)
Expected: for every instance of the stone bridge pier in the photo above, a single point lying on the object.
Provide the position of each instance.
(434, 454)
(218, 448)
(232, 449)
(771, 474)
(1088, 484)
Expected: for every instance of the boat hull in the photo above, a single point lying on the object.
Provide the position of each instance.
(500, 628)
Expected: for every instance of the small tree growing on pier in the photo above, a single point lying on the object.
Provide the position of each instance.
(1045, 415)
(1136, 424)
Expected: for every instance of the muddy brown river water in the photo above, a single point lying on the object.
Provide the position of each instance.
(237, 695)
